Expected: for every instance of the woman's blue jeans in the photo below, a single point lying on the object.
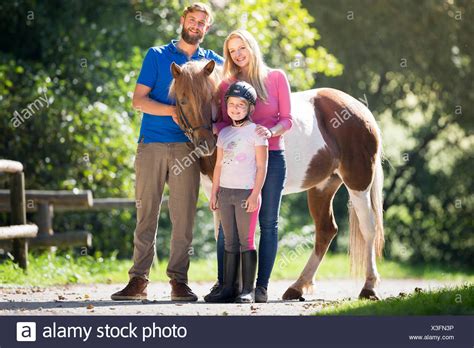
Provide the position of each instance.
(268, 218)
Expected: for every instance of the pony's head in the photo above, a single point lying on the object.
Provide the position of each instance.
(194, 88)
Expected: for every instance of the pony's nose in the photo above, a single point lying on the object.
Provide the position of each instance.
(203, 145)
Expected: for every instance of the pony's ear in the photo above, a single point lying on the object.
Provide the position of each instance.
(209, 68)
(175, 70)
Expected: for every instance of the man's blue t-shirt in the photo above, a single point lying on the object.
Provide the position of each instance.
(156, 74)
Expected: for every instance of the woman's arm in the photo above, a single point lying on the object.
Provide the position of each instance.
(284, 105)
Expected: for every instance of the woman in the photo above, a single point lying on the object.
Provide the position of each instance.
(244, 62)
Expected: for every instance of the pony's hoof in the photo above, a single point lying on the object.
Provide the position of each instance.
(369, 294)
(292, 294)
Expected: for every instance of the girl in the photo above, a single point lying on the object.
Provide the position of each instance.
(238, 178)
(243, 61)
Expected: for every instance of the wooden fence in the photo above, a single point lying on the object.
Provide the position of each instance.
(19, 230)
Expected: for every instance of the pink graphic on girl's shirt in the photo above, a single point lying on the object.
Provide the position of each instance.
(241, 157)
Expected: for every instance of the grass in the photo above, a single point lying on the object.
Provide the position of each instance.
(289, 264)
(449, 301)
(57, 269)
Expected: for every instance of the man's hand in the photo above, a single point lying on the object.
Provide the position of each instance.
(174, 114)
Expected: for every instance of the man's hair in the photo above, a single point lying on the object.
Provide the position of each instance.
(201, 7)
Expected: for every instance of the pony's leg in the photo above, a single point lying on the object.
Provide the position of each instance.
(361, 203)
(320, 206)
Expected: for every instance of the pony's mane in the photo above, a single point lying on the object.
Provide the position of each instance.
(199, 88)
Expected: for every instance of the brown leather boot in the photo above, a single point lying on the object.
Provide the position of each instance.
(181, 292)
(135, 290)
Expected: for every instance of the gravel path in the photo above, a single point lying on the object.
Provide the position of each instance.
(95, 299)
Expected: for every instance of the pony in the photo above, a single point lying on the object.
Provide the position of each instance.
(334, 141)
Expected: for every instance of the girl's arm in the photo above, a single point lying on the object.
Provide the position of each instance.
(261, 153)
(216, 178)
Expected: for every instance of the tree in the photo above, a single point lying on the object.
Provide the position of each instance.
(83, 58)
(412, 60)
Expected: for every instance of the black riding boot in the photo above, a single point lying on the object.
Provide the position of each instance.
(249, 270)
(216, 288)
(227, 293)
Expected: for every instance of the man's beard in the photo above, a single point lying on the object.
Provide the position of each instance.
(191, 39)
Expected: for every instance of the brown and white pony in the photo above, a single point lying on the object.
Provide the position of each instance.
(334, 140)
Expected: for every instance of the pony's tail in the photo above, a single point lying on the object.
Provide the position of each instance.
(357, 249)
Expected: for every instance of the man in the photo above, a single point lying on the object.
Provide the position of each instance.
(160, 144)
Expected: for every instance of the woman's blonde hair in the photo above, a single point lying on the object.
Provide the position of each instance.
(258, 70)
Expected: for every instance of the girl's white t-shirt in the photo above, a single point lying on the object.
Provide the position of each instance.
(239, 165)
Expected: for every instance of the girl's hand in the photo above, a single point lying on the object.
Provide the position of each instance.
(213, 203)
(263, 131)
(252, 203)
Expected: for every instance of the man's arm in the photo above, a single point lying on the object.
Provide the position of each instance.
(142, 102)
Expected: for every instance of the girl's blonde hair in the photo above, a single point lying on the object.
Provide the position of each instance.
(258, 70)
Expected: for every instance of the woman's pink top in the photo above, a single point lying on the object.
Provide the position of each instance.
(276, 110)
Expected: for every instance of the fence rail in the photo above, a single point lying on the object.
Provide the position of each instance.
(19, 231)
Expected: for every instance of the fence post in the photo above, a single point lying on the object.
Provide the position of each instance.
(18, 216)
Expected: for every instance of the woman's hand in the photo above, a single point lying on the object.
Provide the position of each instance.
(252, 203)
(213, 203)
(263, 131)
